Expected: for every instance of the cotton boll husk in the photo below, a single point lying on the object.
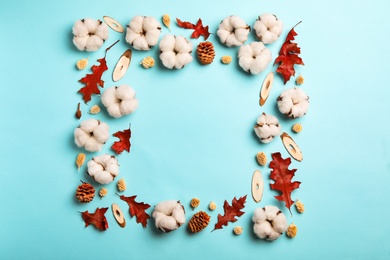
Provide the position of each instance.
(89, 125)
(109, 97)
(179, 214)
(103, 177)
(167, 43)
(237, 22)
(124, 92)
(223, 34)
(91, 145)
(114, 110)
(80, 42)
(93, 43)
(140, 43)
(150, 23)
(91, 24)
(168, 59)
(166, 207)
(102, 31)
(241, 34)
(182, 59)
(182, 45)
(101, 132)
(79, 29)
(152, 36)
(136, 24)
(128, 106)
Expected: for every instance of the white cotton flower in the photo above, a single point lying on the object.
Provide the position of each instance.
(169, 215)
(267, 127)
(103, 169)
(143, 32)
(268, 28)
(293, 102)
(175, 51)
(120, 101)
(233, 31)
(254, 58)
(269, 223)
(91, 134)
(89, 34)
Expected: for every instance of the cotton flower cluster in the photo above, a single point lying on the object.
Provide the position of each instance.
(143, 32)
(91, 134)
(169, 215)
(254, 58)
(233, 31)
(293, 102)
(175, 51)
(103, 168)
(89, 34)
(269, 223)
(267, 127)
(268, 28)
(120, 101)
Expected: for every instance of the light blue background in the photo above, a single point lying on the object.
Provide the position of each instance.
(192, 134)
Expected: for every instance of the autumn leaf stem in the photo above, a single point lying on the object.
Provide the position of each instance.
(110, 47)
(293, 27)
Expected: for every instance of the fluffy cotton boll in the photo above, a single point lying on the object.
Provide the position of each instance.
(237, 22)
(80, 29)
(92, 145)
(112, 166)
(182, 59)
(143, 32)
(166, 207)
(89, 34)
(93, 43)
(269, 223)
(91, 134)
(141, 44)
(136, 24)
(169, 215)
(267, 127)
(223, 35)
(179, 214)
(131, 35)
(293, 102)
(167, 43)
(256, 60)
(91, 25)
(102, 31)
(103, 168)
(280, 223)
(103, 177)
(101, 132)
(80, 137)
(233, 31)
(168, 59)
(226, 25)
(80, 42)
(182, 45)
(259, 215)
(120, 101)
(150, 23)
(268, 28)
(232, 40)
(152, 36)
(94, 168)
(241, 34)
(175, 51)
(163, 222)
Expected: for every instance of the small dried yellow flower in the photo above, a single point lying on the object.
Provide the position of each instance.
(226, 59)
(296, 128)
(299, 206)
(147, 62)
(103, 192)
(94, 109)
(82, 64)
(299, 80)
(80, 160)
(261, 158)
(292, 231)
(166, 21)
(121, 185)
(212, 205)
(195, 202)
(237, 230)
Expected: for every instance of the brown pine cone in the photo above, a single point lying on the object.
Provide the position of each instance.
(199, 221)
(85, 192)
(206, 53)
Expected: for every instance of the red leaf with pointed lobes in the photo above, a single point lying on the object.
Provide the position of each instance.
(282, 177)
(93, 81)
(137, 209)
(97, 219)
(124, 141)
(288, 56)
(230, 212)
(198, 28)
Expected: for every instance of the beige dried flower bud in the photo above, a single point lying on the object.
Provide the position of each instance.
(80, 160)
(226, 59)
(212, 205)
(121, 185)
(296, 128)
(82, 64)
(147, 62)
(237, 230)
(166, 19)
(261, 158)
(292, 231)
(103, 192)
(94, 110)
(299, 80)
(299, 206)
(195, 202)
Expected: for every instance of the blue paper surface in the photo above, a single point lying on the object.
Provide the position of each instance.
(192, 135)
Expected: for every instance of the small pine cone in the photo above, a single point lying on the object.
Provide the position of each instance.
(296, 128)
(199, 221)
(261, 158)
(299, 206)
(292, 231)
(94, 110)
(147, 62)
(121, 185)
(226, 59)
(237, 230)
(212, 205)
(82, 64)
(85, 192)
(103, 192)
(299, 80)
(206, 53)
(194, 202)
(80, 160)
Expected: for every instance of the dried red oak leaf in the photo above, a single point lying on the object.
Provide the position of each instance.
(93, 81)
(137, 209)
(97, 219)
(230, 212)
(198, 28)
(282, 177)
(288, 56)
(124, 141)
